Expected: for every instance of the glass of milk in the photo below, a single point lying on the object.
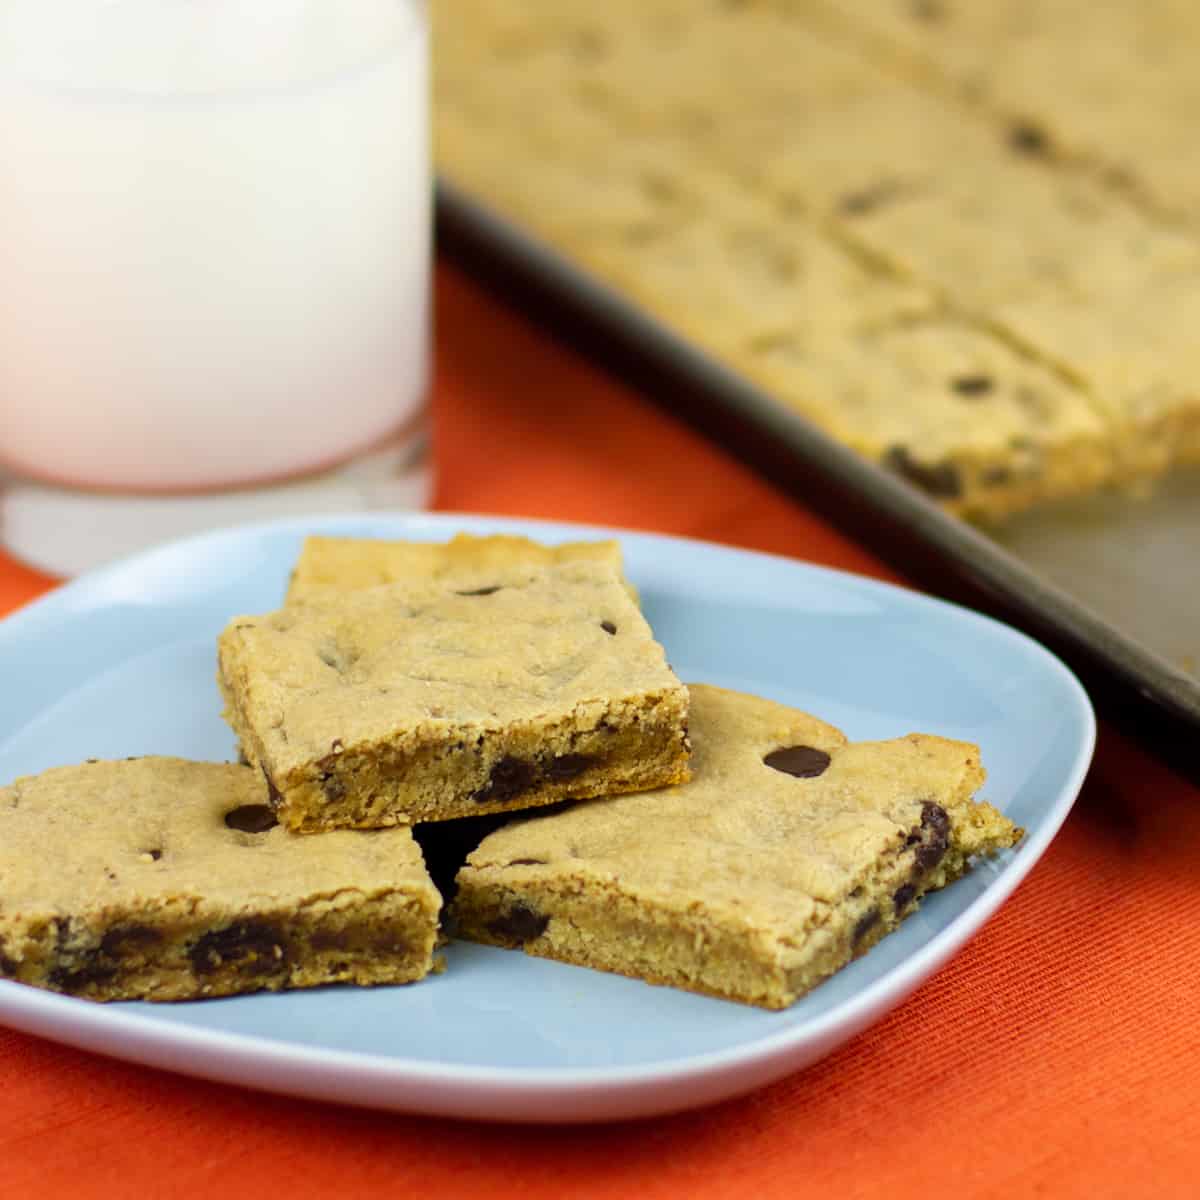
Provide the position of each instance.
(214, 266)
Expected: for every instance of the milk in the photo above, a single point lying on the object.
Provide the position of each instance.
(214, 238)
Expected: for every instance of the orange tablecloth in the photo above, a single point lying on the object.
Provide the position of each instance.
(1058, 1055)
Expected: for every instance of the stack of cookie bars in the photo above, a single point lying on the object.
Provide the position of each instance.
(688, 836)
(960, 236)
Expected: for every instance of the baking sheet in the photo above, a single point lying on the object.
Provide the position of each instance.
(1109, 582)
(1134, 560)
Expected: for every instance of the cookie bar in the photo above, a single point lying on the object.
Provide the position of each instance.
(790, 852)
(162, 879)
(447, 697)
(344, 563)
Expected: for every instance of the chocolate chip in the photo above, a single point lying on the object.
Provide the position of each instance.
(528, 862)
(972, 385)
(1027, 138)
(865, 924)
(250, 818)
(519, 924)
(251, 947)
(155, 854)
(568, 766)
(902, 896)
(91, 971)
(938, 479)
(510, 777)
(129, 939)
(934, 837)
(935, 817)
(804, 762)
(608, 627)
(483, 591)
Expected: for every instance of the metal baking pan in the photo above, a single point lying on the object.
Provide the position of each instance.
(1110, 583)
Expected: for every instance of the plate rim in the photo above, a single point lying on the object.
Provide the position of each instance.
(156, 1041)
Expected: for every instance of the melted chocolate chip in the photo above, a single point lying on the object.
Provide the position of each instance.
(155, 854)
(865, 924)
(129, 939)
(510, 777)
(972, 385)
(608, 627)
(804, 762)
(568, 766)
(935, 817)
(250, 818)
(902, 896)
(519, 924)
(1027, 138)
(483, 591)
(938, 479)
(91, 971)
(528, 862)
(934, 838)
(252, 947)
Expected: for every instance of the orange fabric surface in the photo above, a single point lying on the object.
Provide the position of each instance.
(1058, 1055)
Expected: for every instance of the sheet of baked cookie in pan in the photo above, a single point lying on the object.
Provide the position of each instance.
(899, 222)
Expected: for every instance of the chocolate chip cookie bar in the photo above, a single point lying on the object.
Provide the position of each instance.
(788, 853)
(345, 564)
(447, 697)
(162, 879)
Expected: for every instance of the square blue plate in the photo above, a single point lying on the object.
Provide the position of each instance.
(122, 662)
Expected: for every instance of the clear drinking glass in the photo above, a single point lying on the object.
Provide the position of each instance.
(214, 266)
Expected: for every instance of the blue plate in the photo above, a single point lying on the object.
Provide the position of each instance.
(121, 662)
